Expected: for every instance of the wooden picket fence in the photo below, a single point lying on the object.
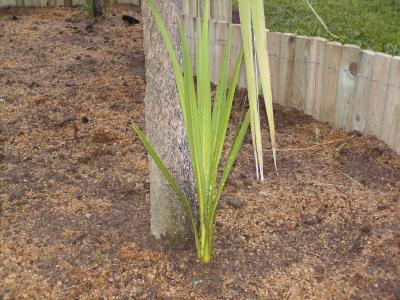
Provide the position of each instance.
(343, 85)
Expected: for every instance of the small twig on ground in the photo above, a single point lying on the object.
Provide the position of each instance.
(317, 183)
(352, 179)
(314, 146)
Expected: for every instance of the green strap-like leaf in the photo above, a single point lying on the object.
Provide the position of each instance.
(237, 143)
(257, 11)
(176, 67)
(181, 196)
(251, 72)
(221, 109)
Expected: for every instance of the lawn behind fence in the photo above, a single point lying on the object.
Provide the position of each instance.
(371, 24)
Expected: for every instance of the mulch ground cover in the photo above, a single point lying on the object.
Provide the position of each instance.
(74, 189)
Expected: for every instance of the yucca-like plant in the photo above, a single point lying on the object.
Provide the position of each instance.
(206, 123)
(252, 21)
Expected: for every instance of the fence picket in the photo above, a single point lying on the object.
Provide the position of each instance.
(189, 8)
(286, 68)
(360, 105)
(376, 105)
(221, 34)
(221, 10)
(274, 51)
(315, 76)
(390, 131)
(189, 26)
(300, 70)
(330, 82)
(348, 70)
(237, 45)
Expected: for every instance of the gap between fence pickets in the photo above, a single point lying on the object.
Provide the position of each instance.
(342, 85)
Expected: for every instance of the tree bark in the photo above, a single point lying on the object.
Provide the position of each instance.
(165, 130)
(97, 8)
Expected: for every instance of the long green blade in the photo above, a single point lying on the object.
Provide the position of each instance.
(257, 11)
(192, 126)
(223, 126)
(251, 72)
(181, 196)
(176, 67)
(237, 143)
(220, 110)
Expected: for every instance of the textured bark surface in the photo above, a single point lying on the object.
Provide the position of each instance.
(165, 130)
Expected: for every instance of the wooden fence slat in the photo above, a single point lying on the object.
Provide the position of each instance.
(189, 26)
(300, 72)
(319, 77)
(274, 51)
(189, 8)
(348, 70)
(330, 82)
(221, 10)
(221, 34)
(314, 94)
(237, 45)
(218, 32)
(376, 105)
(359, 112)
(286, 68)
(311, 76)
(390, 131)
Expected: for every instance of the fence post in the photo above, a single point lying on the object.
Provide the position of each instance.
(377, 96)
(348, 72)
(330, 80)
(390, 131)
(286, 68)
(274, 51)
(189, 8)
(360, 103)
(300, 72)
(221, 10)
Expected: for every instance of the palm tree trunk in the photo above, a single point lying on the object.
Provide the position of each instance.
(165, 130)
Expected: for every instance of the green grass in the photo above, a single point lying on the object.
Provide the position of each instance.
(371, 24)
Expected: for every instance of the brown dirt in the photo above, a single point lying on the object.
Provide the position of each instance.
(74, 189)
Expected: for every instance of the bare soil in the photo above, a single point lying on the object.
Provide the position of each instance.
(75, 194)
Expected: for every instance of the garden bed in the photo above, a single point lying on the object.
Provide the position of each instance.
(75, 191)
